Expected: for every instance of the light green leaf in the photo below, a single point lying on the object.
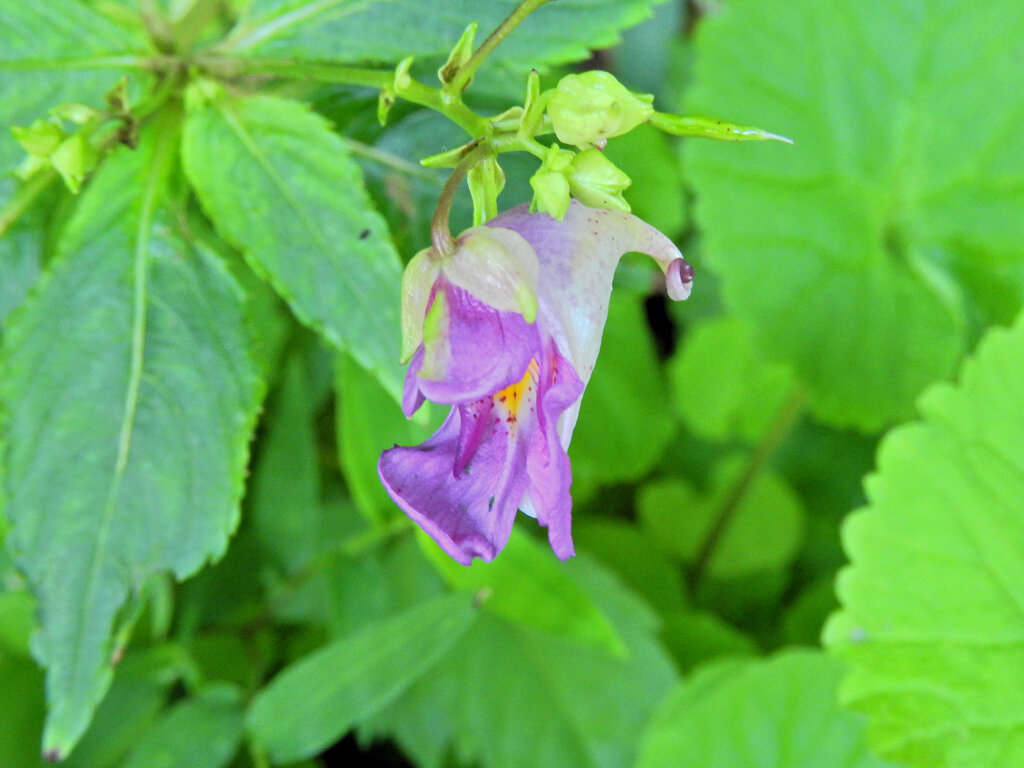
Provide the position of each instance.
(868, 255)
(203, 731)
(130, 396)
(933, 603)
(509, 696)
(55, 52)
(773, 713)
(320, 697)
(527, 585)
(387, 32)
(763, 532)
(281, 187)
(693, 637)
(625, 422)
(722, 388)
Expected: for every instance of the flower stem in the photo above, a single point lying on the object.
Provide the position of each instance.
(465, 73)
(440, 235)
(726, 511)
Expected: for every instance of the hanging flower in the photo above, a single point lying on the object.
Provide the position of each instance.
(506, 330)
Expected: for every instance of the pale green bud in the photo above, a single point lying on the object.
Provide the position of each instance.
(595, 180)
(550, 193)
(588, 108)
(74, 159)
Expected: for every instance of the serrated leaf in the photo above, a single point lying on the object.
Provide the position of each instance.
(387, 32)
(529, 587)
(55, 52)
(869, 254)
(772, 713)
(932, 624)
(320, 697)
(203, 731)
(508, 696)
(130, 396)
(281, 186)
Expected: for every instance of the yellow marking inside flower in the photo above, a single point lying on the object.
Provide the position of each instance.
(512, 396)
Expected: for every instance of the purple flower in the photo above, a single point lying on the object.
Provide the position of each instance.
(506, 330)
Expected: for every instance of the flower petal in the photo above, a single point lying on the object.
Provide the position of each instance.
(471, 514)
(547, 462)
(417, 283)
(472, 350)
(578, 256)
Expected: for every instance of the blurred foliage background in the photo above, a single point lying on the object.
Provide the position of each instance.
(722, 445)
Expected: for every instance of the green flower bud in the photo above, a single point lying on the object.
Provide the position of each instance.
(590, 107)
(550, 193)
(74, 159)
(594, 180)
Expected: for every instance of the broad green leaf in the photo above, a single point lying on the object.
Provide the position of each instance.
(773, 713)
(722, 388)
(626, 421)
(527, 585)
(694, 637)
(203, 731)
(317, 699)
(17, 610)
(509, 696)
(387, 32)
(55, 52)
(932, 624)
(281, 186)
(130, 396)
(869, 254)
(763, 532)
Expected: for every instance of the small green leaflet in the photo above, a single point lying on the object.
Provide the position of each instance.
(932, 624)
(868, 255)
(130, 396)
(280, 185)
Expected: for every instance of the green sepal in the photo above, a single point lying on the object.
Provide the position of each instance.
(74, 159)
(385, 102)
(711, 128)
(417, 280)
(460, 54)
(80, 114)
(596, 181)
(40, 138)
(533, 105)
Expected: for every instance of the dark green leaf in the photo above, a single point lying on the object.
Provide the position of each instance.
(386, 32)
(932, 624)
(130, 396)
(281, 186)
(319, 698)
(508, 696)
(203, 731)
